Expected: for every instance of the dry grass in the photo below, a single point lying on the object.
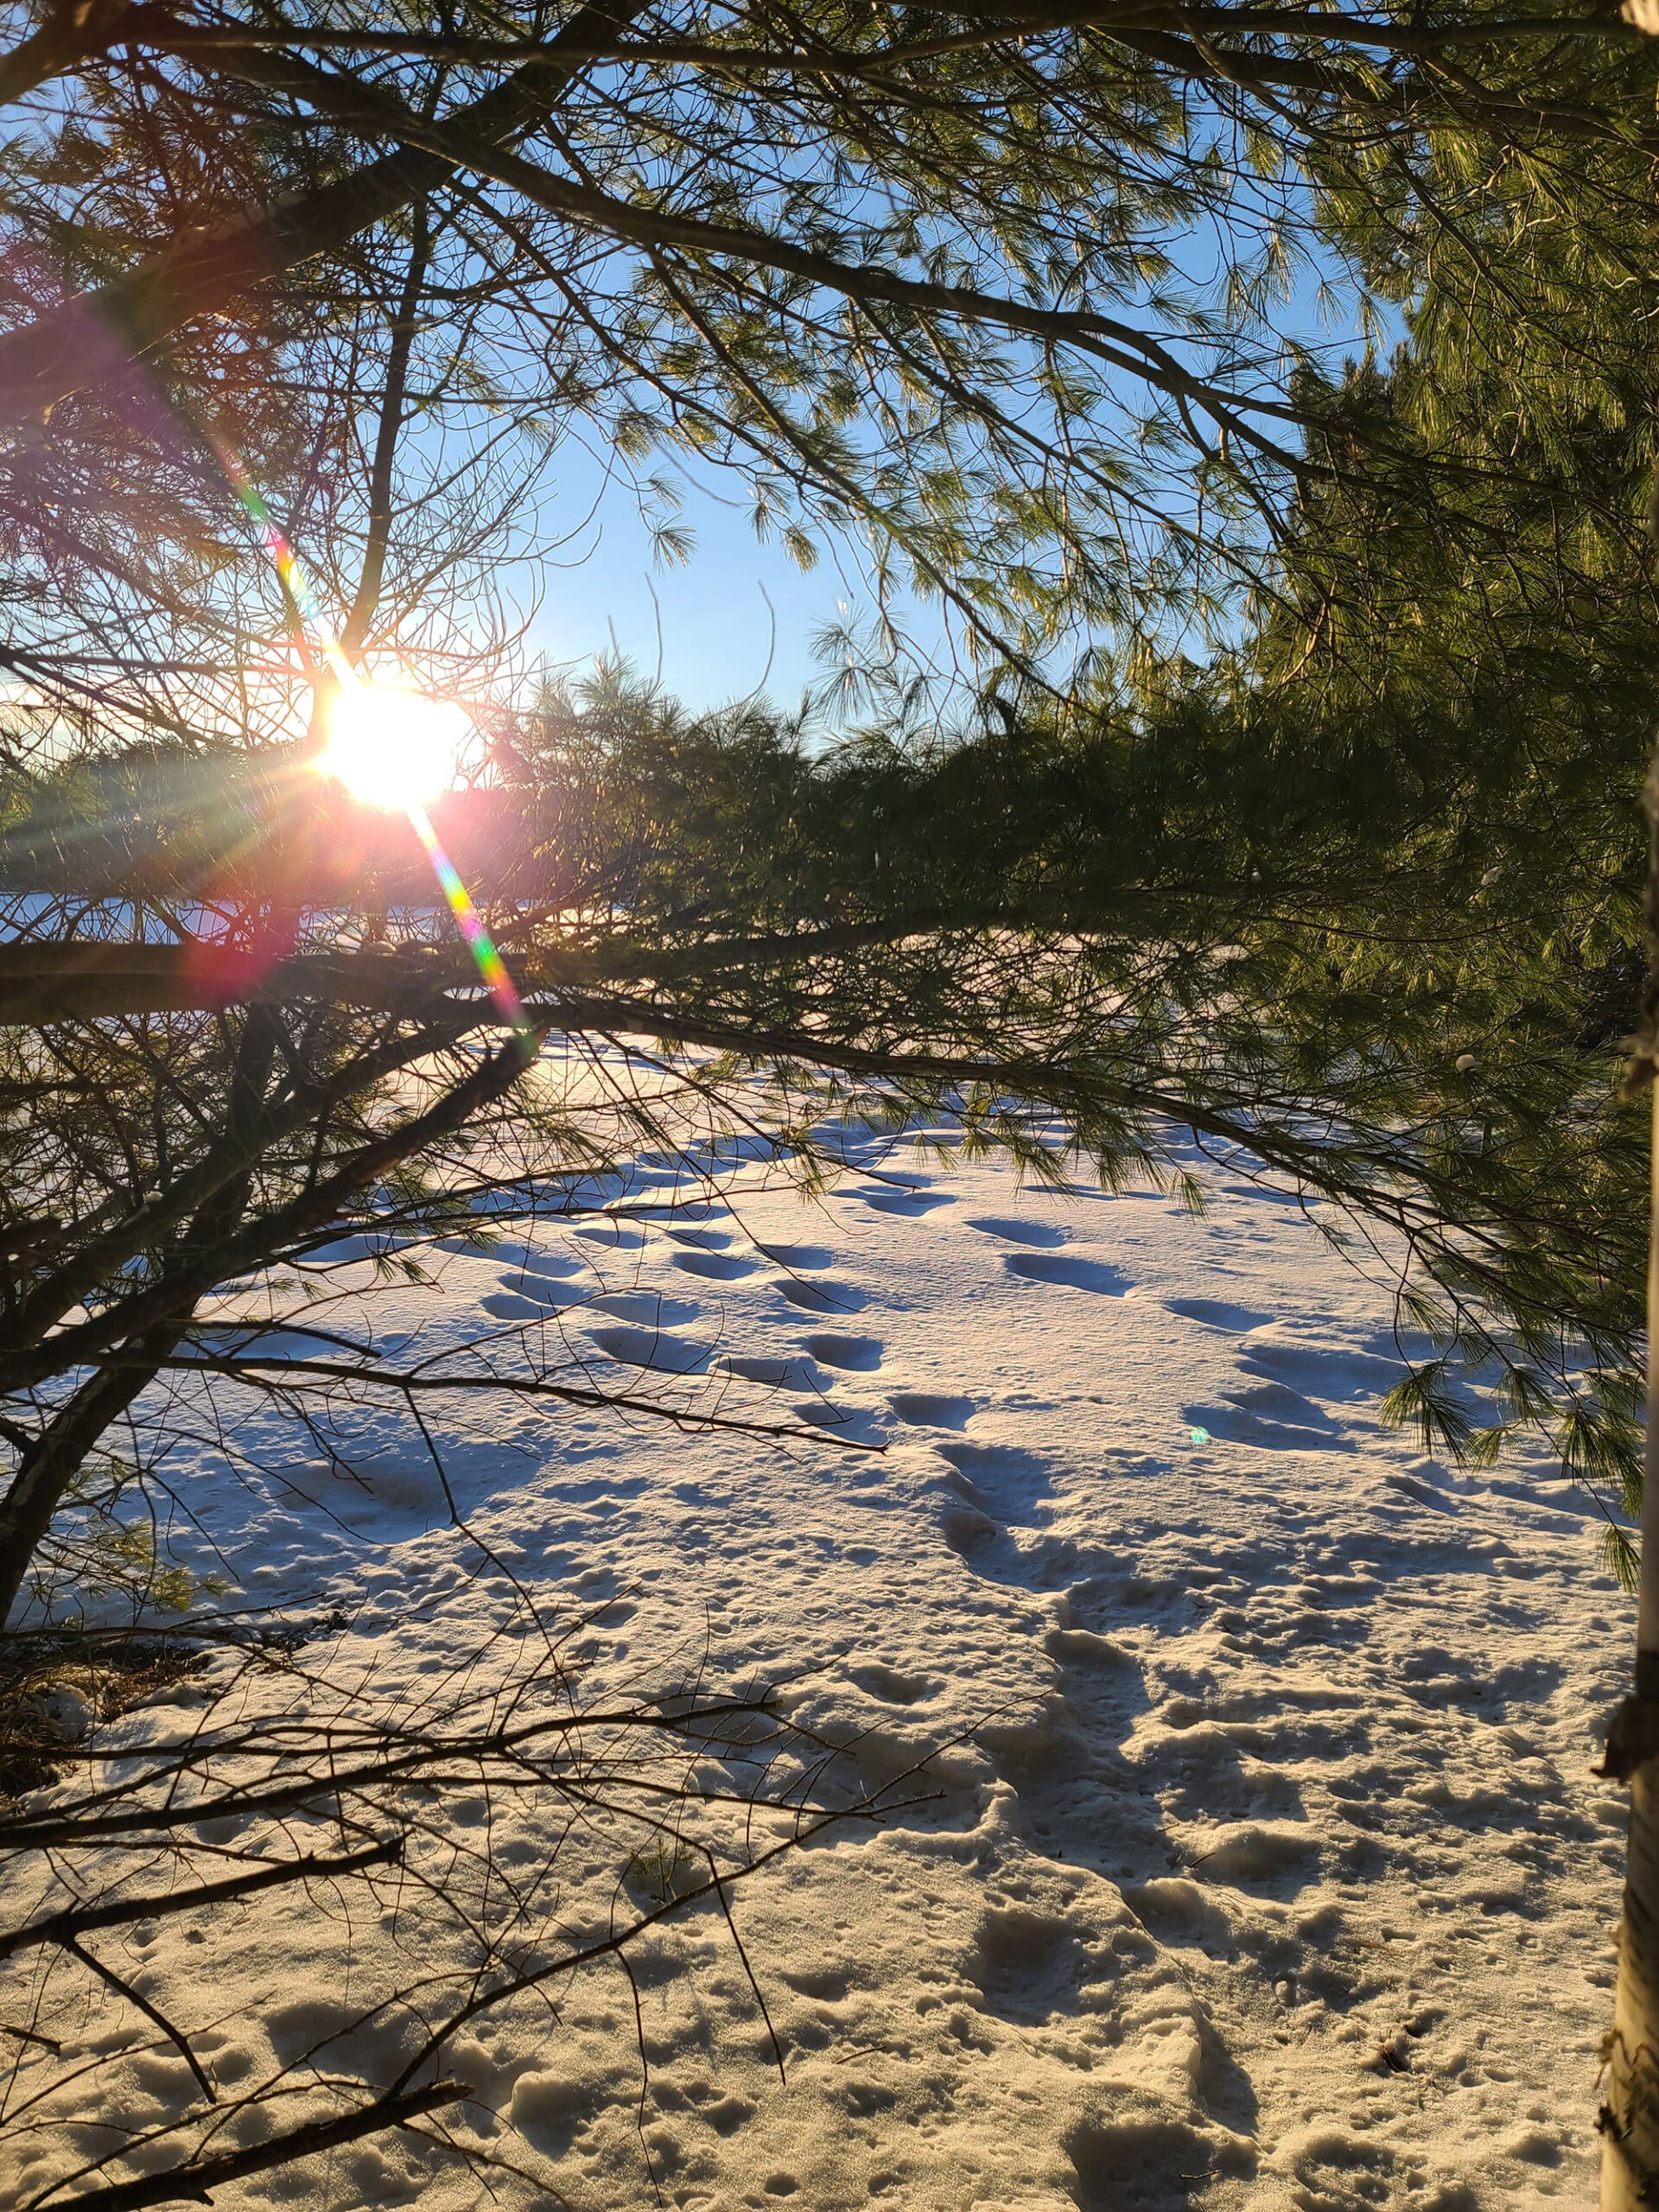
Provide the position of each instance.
(53, 1686)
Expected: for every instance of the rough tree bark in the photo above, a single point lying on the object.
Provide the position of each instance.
(1629, 2113)
(1629, 2119)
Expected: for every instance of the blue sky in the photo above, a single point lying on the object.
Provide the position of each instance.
(738, 617)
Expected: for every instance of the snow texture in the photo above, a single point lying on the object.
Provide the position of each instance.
(1266, 1868)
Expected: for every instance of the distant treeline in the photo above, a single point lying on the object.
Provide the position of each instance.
(162, 823)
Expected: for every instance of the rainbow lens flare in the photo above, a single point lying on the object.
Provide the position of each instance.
(470, 923)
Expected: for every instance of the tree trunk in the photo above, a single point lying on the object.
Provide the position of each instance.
(51, 1463)
(1629, 2113)
(58, 1454)
(1629, 2119)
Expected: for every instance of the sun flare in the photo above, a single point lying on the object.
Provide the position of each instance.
(391, 747)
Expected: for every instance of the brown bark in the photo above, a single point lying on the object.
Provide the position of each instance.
(1629, 2119)
(355, 631)
(57, 1455)
(69, 1925)
(44, 983)
(72, 31)
(1629, 2111)
(51, 1463)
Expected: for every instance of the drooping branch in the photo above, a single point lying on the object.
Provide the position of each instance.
(283, 1373)
(252, 1241)
(102, 334)
(95, 338)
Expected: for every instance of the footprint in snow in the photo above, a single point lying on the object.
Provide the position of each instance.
(1160, 2161)
(648, 1307)
(970, 1531)
(464, 1245)
(993, 1551)
(508, 1306)
(713, 1267)
(856, 1422)
(646, 1348)
(906, 1201)
(615, 1236)
(822, 1298)
(549, 1297)
(344, 1249)
(702, 1240)
(1000, 1480)
(858, 1354)
(1281, 1856)
(891, 1685)
(929, 1409)
(1272, 1197)
(770, 1374)
(991, 1489)
(1068, 1271)
(1270, 1418)
(1219, 1314)
(800, 1258)
(1026, 1964)
(1329, 1371)
(1018, 1232)
(526, 1259)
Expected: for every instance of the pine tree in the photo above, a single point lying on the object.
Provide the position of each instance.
(1313, 695)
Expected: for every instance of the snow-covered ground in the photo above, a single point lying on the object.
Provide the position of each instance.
(1269, 1871)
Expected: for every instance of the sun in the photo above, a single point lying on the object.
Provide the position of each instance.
(390, 747)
